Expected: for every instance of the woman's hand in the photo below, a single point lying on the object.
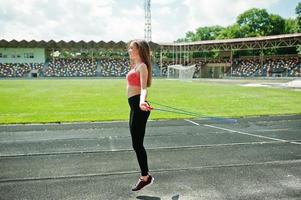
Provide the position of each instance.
(145, 106)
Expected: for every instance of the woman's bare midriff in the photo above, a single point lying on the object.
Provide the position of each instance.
(133, 90)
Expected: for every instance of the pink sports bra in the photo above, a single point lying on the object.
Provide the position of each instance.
(133, 78)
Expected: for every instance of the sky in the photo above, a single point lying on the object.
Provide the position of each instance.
(122, 20)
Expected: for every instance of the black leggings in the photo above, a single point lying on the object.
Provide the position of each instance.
(138, 119)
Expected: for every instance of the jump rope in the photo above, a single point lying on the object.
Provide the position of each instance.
(166, 108)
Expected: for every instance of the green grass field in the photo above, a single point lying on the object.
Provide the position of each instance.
(74, 100)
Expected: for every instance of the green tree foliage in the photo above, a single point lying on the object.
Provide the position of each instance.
(277, 25)
(291, 26)
(230, 32)
(254, 22)
(299, 49)
(207, 33)
(251, 23)
(203, 33)
(298, 13)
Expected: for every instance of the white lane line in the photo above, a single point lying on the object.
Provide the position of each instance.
(244, 133)
(295, 142)
(58, 153)
(159, 170)
(192, 122)
(249, 134)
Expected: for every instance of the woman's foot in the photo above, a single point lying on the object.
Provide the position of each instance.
(143, 182)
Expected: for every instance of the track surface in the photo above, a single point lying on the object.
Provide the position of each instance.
(255, 158)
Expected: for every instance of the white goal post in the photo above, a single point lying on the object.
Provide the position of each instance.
(180, 72)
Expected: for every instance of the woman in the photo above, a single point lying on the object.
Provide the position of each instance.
(138, 79)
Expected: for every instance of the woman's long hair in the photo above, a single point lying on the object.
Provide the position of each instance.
(145, 55)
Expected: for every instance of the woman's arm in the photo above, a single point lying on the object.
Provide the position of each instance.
(143, 80)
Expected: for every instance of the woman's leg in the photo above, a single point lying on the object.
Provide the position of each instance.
(138, 120)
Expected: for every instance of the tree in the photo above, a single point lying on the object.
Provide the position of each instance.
(277, 25)
(188, 38)
(251, 23)
(202, 33)
(299, 49)
(230, 32)
(298, 13)
(291, 26)
(254, 22)
(207, 33)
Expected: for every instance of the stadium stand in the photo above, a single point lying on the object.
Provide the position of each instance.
(114, 67)
(71, 67)
(19, 69)
(270, 67)
(111, 60)
(109, 67)
(245, 67)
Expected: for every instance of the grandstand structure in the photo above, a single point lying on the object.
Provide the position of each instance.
(110, 59)
(64, 59)
(227, 65)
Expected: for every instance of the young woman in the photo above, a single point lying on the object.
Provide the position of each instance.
(138, 79)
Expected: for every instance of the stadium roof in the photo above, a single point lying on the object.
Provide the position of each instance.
(266, 42)
(276, 41)
(236, 40)
(51, 44)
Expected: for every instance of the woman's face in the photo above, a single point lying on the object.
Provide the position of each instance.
(133, 51)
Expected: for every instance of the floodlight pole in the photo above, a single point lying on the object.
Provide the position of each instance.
(148, 26)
